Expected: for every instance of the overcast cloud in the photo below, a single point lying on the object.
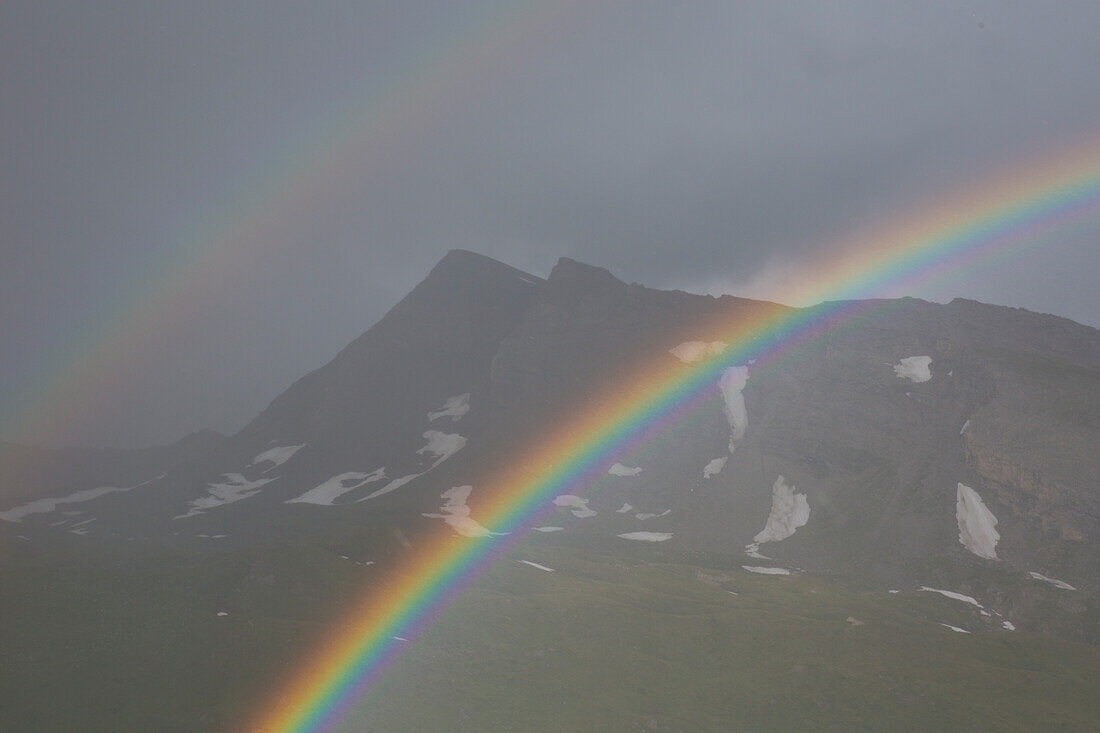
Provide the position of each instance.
(699, 145)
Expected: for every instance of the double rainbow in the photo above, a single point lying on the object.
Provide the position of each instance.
(1018, 207)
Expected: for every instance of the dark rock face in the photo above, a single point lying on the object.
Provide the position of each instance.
(436, 343)
(1010, 408)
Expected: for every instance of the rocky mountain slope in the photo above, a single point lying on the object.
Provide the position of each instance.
(914, 442)
(913, 450)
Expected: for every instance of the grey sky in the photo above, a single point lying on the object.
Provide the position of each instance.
(697, 145)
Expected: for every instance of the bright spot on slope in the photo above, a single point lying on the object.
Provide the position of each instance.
(789, 512)
(577, 505)
(647, 536)
(914, 368)
(976, 523)
(454, 408)
(457, 514)
(337, 486)
(620, 470)
(692, 351)
(277, 456)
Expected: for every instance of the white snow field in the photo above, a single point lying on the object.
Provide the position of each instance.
(692, 351)
(278, 456)
(956, 629)
(715, 467)
(536, 565)
(789, 512)
(753, 550)
(646, 515)
(440, 446)
(952, 594)
(962, 430)
(337, 486)
(624, 509)
(577, 505)
(731, 383)
(1008, 626)
(620, 470)
(457, 514)
(235, 488)
(1053, 581)
(647, 536)
(766, 571)
(397, 483)
(43, 506)
(454, 408)
(549, 529)
(914, 368)
(976, 523)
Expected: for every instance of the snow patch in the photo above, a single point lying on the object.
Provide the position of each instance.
(549, 529)
(962, 430)
(454, 408)
(976, 522)
(952, 594)
(692, 351)
(536, 565)
(956, 629)
(337, 486)
(645, 515)
(457, 514)
(397, 483)
(43, 506)
(624, 509)
(732, 381)
(1053, 581)
(223, 613)
(914, 368)
(789, 512)
(753, 551)
(647, 536)
(766, 571)
(620, 470)
(579, 506)
(235, 488)
(440, 446)
(715, 467)
(278, 456)
(1008, 626)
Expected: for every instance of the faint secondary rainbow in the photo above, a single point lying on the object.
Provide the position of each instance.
(367, 134)
(1022, 206)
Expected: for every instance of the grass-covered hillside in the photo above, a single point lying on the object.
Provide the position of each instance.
(635, 640)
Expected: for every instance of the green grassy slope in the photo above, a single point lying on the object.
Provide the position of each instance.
(638, 640)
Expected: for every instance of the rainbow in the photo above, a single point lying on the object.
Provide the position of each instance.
(1018, 207)
(249, 217)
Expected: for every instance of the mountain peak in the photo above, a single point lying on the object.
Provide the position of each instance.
(573, 278)
(465, 264)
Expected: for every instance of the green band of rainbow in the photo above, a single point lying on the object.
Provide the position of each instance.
(1018, 209)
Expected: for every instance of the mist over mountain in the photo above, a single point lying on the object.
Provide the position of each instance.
(940, 458)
